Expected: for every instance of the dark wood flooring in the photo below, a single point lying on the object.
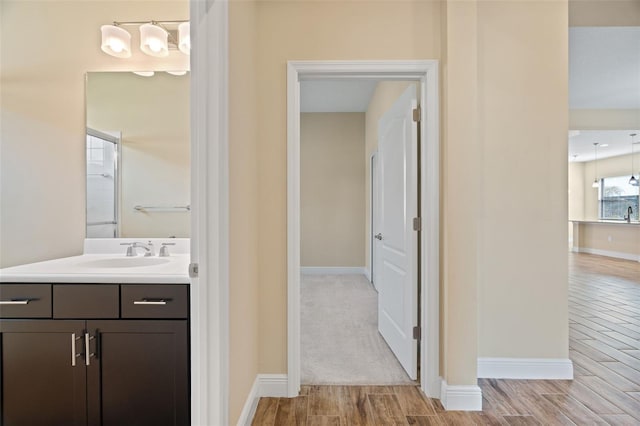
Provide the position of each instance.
(604, 328)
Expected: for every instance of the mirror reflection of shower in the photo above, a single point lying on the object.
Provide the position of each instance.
(102, 184)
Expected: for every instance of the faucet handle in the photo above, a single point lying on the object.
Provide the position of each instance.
(130, 250)
(164, 250)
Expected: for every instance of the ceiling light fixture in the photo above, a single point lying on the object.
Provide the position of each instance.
(156, 38)
(633, 181)
(178, 73)
(596, 183)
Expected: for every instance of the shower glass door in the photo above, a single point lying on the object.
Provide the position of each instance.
(102, 185)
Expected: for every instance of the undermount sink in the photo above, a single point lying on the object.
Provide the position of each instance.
(124, 262)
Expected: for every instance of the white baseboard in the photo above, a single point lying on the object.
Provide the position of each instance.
(608, 253)
(367, 273)
(274, 385)
(461, 397)
(525, 368)
(333, 270)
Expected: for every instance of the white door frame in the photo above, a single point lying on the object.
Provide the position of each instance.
(373, 179)
(209, 213)
(426, 72)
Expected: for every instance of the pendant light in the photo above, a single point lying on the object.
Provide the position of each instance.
(633, 181)
(154, 40)
(596, 183)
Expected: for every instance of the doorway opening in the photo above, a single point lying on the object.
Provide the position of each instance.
(424, 76)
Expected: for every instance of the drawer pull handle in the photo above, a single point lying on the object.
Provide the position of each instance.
(15, 302)
(150, 302)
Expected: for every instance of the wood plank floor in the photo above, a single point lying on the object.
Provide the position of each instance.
(604, 328)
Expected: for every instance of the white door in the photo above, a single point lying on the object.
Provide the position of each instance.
(396, 277)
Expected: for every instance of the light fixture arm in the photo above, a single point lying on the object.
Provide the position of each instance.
(151, 21)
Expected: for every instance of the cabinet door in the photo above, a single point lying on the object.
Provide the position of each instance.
(40, 383)
(139, 374)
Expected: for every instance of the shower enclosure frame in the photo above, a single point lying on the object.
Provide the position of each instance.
(116, 141)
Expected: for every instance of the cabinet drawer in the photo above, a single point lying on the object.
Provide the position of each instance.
(155, 301)
(86, 301)
(25, 300)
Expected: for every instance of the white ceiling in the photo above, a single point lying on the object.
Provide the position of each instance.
(336, 95)
(619, 141)
(604, 73)
(604, 68)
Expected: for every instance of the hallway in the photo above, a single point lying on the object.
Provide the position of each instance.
(604, 320)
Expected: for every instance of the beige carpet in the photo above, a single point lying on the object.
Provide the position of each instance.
(339, 334)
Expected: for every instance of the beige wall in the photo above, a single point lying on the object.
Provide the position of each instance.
(604, 119)
(383, 97)
(244, 303)
(523, 113)
(47, 47)
(534, 140)
(332, 189)
(315, 31)
(600, 13)
(152, 114)
(576, 194)
(608, 167)
(616, 238)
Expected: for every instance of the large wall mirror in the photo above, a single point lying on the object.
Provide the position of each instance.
(138, 159)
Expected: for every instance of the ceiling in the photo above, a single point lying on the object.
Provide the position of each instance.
(618, 141)
(604, 73)
(336, 95)
(604, 68)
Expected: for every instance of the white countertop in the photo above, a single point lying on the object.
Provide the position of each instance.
(105, 262)
(607, 222)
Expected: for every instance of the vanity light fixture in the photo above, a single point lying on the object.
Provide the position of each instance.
(633, 181)
(116, 41)
(184, 37)
(596, 183)
(156, 38)
(144, 73)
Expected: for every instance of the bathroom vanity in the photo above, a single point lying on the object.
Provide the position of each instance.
(98, 339)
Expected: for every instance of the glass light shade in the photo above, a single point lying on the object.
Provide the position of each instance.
(115, 41)
(595, 184)
(184, 38)
(634, 181)
(153, 40)
(178, 73)
(144, 73)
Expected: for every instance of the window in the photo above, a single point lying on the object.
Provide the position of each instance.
(615, 197)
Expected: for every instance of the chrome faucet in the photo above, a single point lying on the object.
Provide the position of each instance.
(131, 250)
(629, 213)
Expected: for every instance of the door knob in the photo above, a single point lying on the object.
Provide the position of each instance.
(378, 237)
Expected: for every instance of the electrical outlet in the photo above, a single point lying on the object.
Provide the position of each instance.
(609, 238)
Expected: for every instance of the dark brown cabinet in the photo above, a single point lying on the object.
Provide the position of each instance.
(94, 371)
